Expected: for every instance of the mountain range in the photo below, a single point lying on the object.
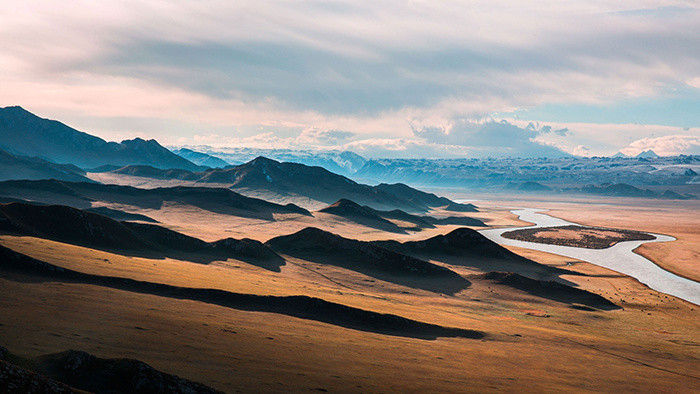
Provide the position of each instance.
(23, 133)
(282, 181)
(340, 162)
(499, 175)
(201, 159)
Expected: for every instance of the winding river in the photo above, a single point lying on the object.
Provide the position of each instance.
(619, 257)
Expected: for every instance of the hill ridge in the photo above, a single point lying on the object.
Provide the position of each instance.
(323, 247)
(293, 179)
(23, 133)
(78, 227)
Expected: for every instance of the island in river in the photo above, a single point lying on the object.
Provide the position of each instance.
(577, 236)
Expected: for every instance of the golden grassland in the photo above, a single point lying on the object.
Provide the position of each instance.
(532, 344)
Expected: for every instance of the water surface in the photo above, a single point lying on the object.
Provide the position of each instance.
(619, 257)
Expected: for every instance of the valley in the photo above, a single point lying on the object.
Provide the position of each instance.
(271, 276)
(280, 350)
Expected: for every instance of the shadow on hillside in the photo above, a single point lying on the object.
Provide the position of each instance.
(302, 307)
(448, 283)
(551, 290)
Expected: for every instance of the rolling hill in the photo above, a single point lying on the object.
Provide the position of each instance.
(386, 220)
(298, 306)
(467, 247)
(323, 247)
(365, 216)
(74, 226)
(82, 195)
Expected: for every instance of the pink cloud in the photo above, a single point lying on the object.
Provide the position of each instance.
(669, 145)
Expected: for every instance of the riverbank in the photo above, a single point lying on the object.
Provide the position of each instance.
(577, 236)
(619, 258)
(678, 219)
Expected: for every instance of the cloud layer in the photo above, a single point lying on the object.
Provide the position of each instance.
(492, 138)
(666, 146)
(343, 72)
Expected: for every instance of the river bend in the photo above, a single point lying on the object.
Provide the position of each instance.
(619, 257)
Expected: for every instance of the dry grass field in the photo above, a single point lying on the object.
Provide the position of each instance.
(531, 343)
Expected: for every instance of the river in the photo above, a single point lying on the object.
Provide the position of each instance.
(619, 257)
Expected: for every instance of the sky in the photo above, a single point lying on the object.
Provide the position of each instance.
(380, 78)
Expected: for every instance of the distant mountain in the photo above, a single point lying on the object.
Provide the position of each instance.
(284, 180)
(618, 190)
(531, 186)
(22, 167)
(493, 175)
(647, 154)
(340, 162)
(423, 198)
(457, 207)
(83, 195)
(625, 190)
(154, 173)
(201, 159)
(619, 155)
(23, 133)
(323, 247)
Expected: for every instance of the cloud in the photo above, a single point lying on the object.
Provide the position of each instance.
(501, 138)
(370, 59)
(207, 138)
(603, 139)
(305, 139)
(694, 82)
(669, 145)
(407, 148)
(581, 151)
(323, 137)
(174, 70)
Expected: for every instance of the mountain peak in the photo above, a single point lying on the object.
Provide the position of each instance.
(262, 160)
(344, 202)
(16, 111)
(647, 154)
(14, 108)
(139, 140)
(23, 133)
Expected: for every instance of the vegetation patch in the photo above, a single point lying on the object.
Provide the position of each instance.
(578, 236)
